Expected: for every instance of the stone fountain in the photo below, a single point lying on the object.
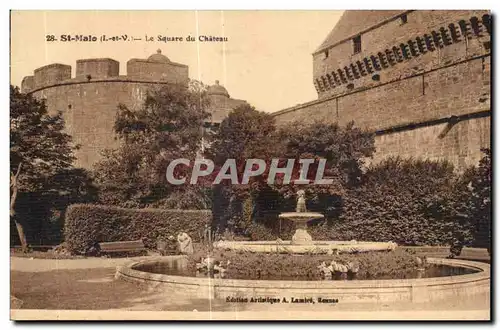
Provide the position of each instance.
(301, 217)
(302, 242)
(210, 279)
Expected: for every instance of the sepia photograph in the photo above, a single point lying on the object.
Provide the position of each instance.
(251, 165)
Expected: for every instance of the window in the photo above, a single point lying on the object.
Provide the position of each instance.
(404, 19)
(357, 44)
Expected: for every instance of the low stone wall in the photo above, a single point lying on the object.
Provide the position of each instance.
(374, 291)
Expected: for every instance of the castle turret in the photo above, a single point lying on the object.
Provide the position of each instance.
(221, 104)
(97, 68)
(158, 67)
(51, 74)
(27, 84)
(374, 47)
(217, 90)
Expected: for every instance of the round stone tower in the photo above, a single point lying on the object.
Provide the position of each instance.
(221, 102)
(89, 100)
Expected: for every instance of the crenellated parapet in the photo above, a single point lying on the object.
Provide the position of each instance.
(94, 68)
(51, 74)
(155, 69)
(158, 67)
(365, 67)
(88, 101)
(28, 83)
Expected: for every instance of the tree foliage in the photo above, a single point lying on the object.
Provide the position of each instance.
(168, 126)
(244, 134)
(345, 150)
(247, 133)
(43, 180)
(37, 141)
(481, 196)
(470, 204)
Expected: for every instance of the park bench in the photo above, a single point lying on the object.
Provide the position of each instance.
(122, 246)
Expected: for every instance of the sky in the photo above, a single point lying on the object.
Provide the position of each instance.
(267, 59)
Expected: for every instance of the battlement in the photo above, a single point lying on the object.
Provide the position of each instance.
(28, 83)
(398, 47)
(51, 74)
(157, 69)
(97, 68)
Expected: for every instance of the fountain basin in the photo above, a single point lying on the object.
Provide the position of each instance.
(312, 247)
(302, 217)
(301, 236)
(374, 291)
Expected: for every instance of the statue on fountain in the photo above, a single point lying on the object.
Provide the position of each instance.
(301, 201)
(301, 217)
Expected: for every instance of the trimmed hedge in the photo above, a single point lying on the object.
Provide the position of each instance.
(407, 201)
(402, 200)
(88, 224)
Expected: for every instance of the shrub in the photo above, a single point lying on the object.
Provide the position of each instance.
(481, 192)
(88, 224)
(404, 201)
(471, 205)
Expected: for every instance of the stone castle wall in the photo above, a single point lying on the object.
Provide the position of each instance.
(89, 101)
(222, 106)
(460, 143)
(89, 111)
(394, 50)
(434, 102)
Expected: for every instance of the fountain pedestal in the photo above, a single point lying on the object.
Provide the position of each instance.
(301, 236)
(301, 241)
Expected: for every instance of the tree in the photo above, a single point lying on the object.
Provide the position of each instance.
(481, 196)
(39, 149)
(168, 126)
(344, 149)
(244, 134)
(469, 206)
(247, 133)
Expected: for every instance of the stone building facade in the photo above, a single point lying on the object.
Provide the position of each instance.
(89, 100)
(420, 80)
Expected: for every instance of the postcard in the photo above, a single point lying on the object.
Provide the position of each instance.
(250, 165)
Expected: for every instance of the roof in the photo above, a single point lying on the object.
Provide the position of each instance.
(353, 22)
(158, 57)
(217, 89)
